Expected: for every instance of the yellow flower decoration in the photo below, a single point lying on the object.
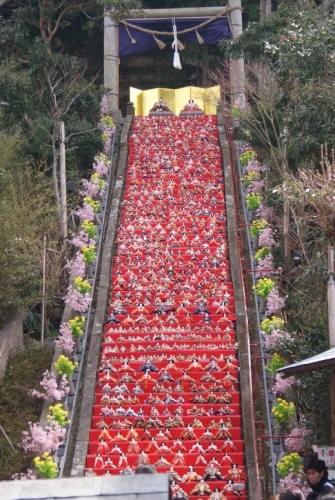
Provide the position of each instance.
(46, 466)
(290, 464)
(282, 410)
(77, 325)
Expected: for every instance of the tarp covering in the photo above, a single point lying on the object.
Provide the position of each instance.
(206, 98)
(134, 41)
(322, 360)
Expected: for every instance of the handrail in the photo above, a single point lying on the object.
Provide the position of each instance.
(235, 160)
(239, 233)
(74, 398)
(255, 489)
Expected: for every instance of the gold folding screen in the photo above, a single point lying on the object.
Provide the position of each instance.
(206, 98)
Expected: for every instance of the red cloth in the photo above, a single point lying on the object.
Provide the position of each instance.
(172, 297)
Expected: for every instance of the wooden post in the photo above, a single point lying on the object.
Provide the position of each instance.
(331, 296)
(286, 206)
(62, 178)
(178, 12)
(331, 327)
(265, 8)
(111, 43)
(237, 80)
(332, 406)
(43, 289)
(111, 63)
(286, 233)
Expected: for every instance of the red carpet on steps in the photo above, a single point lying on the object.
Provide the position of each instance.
(167, 389)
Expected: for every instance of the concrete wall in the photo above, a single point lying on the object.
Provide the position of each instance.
(11, 340)
(140, 487)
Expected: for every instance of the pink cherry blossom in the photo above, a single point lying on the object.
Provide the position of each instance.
(265, 212)
(107, 133)
(39, 440)
(257, 186)
(82, 240)
(274, 302)
(282, 384)
(28, 475)
(103, 106)
(92, 188)
(101, 166)
(77, 301)
(65, 340)
(86, 212)
(272, 341)
(265, 267)
(298, 438)
(255, 166)
(52, 389)
(266, 238)
(77, 265)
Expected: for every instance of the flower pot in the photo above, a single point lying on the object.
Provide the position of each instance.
(89, 271)
(276, 432)
(262, 306)
(255, 244)
(269, 384)
(285, 428)
(71, 387)
(79, 347)
(250, 215)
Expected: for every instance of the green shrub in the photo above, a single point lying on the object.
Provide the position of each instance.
(24, 371)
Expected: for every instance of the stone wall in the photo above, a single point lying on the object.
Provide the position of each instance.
(140, 487)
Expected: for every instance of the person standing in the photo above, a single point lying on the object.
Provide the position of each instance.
(290, 494)
(317, 477)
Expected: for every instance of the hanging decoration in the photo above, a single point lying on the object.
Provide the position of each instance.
(176, 57)
(160, 43)
(181, 46)
(133, 41)
(140, 35)
(199, 37)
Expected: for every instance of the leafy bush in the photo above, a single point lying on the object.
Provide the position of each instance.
(17, 408)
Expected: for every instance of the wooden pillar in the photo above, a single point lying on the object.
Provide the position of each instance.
(179, 12)
(331, 296)
(111, 63)
(236, 65)
(265, 9)
(62, 181)
(111, 39)
(331, 327)
(332, 407)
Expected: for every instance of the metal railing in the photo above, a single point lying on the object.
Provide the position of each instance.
(250, 274)
(244, 235)
(71, 400)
